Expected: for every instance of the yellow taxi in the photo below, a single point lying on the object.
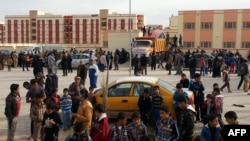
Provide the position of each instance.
(123, 94)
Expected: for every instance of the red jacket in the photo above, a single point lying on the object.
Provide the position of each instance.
(99, 130)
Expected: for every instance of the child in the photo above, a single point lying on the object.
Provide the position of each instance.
(79, 133)
(9, 63)
(166, 127)
(99, 130)
(226, 80)
(66, 104)
(211, 131)
(184, 81)
(137, 127)
(56, 99)
(36, 113)
(231, 118)
(91, 96)
(145, 105)
(157, 101)
(51, 122)
(119, 131)
(218, 101)
(207, 108)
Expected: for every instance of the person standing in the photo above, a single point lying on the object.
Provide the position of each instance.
(153, 61)
(52, 62)
(85, 111)
(82, 72)
(197, 88)
(169, 62)
(157, 101)
(226, 80)
(116, 61)
(66, 104)
(93, 74)
(144, 104)
(178, 64)
(192, 67)
(15, 58)
(180, 40)
(143, 63)
(243, 71)
(64, 64)
(103, 62)
(12, 110)
(69, 63)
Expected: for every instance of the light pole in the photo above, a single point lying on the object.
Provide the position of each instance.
(130, 51)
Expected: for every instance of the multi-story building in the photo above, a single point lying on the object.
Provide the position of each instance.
(215, 28)
(2, 32)
(71, 30)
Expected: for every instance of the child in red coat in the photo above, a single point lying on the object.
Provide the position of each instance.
(99, 130)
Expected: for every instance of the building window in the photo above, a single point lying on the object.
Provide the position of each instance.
(206, 25)
(189, 25)
(115, 24)
(206, 44)
(122, 24)
(105, 43)
(230, 25)
(229, 44)
(246, 24)
(104, 23)
(188, 44)
(245, 44)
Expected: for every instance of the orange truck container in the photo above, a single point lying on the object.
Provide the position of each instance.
(146, 45)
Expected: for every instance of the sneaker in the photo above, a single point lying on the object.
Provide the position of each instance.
(30, 137)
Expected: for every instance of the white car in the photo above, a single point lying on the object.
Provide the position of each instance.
(76, 58)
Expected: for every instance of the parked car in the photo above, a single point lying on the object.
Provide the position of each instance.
(123, 94)
(76, 58)
(199, 55)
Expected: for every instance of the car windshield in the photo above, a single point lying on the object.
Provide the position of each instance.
(142, 43)
(166, 86)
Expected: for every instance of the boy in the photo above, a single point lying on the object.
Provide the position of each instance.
(226, 80)
(79, 133)
(184, 81)
(136, 127)
(66, 104)
(157, 101)
(99, 130)
(119, 131)
(12, 109)
(186, 124)
(145, 104)
(211, 131)
(91, 96)
(218, 101)
(51, 122)
(197, 88)
(166, 128)
(36, 113)
(231, 118)
(56, 99)
(207, 108)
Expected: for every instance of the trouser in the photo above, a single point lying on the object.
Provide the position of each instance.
(66, 117)
(220, 120)
(232, 68)
(25, 64)
(155, 116)
(9, 68)
(74, 108)
(153, 66)
(51, 136)
(226, 84)
(116, 66)
(93, 80)
(246, 86)
(31, 127)
(12, 123)
(144, 118)
(144, 68)
(37, 134)
(202, 71)
(241, 80)
(198, 104)
(65, 73)
(192, 73)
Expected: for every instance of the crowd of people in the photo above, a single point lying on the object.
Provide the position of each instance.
(90, 122)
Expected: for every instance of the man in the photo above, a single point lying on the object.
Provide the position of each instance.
(31, 98)
(186, 124)
(52, 62)
(82, 72)
(93, 74)
(12, 109)
(143, 62)
(85, 111)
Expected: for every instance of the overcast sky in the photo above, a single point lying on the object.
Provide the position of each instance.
(156, 11)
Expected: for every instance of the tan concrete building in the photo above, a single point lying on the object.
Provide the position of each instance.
(80, 31)
(2, 28)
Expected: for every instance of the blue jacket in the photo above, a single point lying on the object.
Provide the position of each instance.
(177, 96)
(206, 133)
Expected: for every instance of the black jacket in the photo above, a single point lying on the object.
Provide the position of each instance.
(187, 122)
(11, 106)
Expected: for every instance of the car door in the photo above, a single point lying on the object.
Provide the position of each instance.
(75, 60)
(138, 90)
(118, 98)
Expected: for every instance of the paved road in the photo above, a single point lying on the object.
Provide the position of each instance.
(18, 76)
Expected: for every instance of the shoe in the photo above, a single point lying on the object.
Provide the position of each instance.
(229, 91)
(30, 137)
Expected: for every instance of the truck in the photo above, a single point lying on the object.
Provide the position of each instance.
(146, 45)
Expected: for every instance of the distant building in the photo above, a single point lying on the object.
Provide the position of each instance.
(80, 31)
(1, 32)
(215, 28)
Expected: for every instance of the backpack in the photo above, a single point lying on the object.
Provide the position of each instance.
(51, 83)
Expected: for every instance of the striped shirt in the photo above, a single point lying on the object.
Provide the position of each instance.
(157, 101)
(66, 102)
